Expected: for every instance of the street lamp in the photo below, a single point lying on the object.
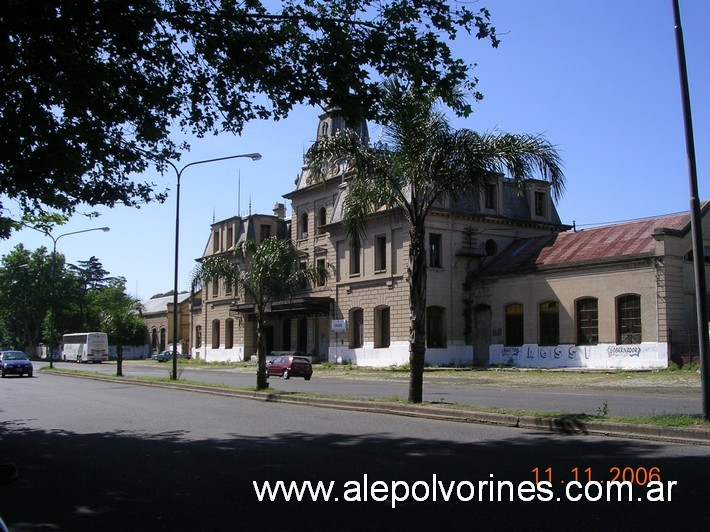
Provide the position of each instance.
(178, 173)
(53, 279)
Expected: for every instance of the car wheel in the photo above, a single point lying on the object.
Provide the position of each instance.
(29, 374)
(307, 377)
(286, 374)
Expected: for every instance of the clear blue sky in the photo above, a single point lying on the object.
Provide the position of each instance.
(599, 78)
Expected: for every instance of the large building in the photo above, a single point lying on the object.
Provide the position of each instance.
(508, 283)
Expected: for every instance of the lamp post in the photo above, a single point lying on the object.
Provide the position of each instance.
(178, 174)
(53, 279)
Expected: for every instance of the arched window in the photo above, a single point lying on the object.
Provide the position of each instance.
(154, 339)
(356, 328)
(162, 338)
(382, 327)
(215, 334)
(628, 319)
(549, 321)
(514, 332)
(587, 319)
(436, 327)
(229, 334)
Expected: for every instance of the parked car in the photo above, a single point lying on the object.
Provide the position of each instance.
(289, 366)
(15, 363)
(168, 355)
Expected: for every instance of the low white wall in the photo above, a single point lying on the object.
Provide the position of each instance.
(647, 355)
(219, 354)
(397, 354)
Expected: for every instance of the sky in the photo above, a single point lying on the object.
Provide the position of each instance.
(598, 78)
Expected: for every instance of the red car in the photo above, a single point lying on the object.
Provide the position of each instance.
(289, 366)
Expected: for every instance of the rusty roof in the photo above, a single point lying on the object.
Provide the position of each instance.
(598, 244)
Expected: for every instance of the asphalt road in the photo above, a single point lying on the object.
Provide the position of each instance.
(618, 402)
(112, 456)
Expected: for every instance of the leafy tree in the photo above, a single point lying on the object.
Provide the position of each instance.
(91, 273)
(90, 276)
(26, 292)
(266, 273)
(119, 316)
(91, 86)
(420, 161)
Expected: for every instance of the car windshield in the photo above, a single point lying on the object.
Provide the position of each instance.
(13, 355)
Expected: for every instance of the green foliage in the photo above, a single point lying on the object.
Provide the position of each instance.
(93, 302)
(419, 161)
(95, 86)
(266, 273)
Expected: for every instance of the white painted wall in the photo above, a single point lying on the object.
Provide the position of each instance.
(647, 355)
(397, 354)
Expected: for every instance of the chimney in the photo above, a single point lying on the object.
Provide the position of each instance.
(280, 211)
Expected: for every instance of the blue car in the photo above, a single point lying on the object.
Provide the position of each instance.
(15, 363)
(168, 355)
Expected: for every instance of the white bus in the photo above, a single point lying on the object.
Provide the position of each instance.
(85, 347)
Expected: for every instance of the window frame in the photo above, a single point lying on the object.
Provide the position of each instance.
(380, 253)
(629, 315)
(435, 254)
(357, 328)
(587, 321)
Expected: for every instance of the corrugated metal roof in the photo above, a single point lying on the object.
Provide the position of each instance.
(590, 245)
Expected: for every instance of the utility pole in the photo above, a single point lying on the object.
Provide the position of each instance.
(695, 218)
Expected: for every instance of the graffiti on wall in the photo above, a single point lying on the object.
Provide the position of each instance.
(602, 356)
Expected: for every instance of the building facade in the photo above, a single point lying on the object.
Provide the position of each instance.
(620, 296)
(220, 332)
(158, 316)
(367, 285)
(508, 283)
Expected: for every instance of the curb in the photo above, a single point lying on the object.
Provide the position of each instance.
(685, 435)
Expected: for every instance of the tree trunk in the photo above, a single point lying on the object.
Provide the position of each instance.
(417, 270)
(262, 381)
(119, 359)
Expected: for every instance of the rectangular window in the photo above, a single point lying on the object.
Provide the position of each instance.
(355, 259)
(587, 321)
(215, 287)
(434, 250)
(489, 196)
(265, 232)
(230, 237)
(540, 200)
(514, 332)
(215, 241)
(356, 326)
(320, 268)
(380, 253)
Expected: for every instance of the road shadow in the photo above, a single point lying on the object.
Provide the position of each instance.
(120, 480)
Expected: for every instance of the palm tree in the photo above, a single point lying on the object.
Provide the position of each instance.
(266, 273)
(420, 161)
